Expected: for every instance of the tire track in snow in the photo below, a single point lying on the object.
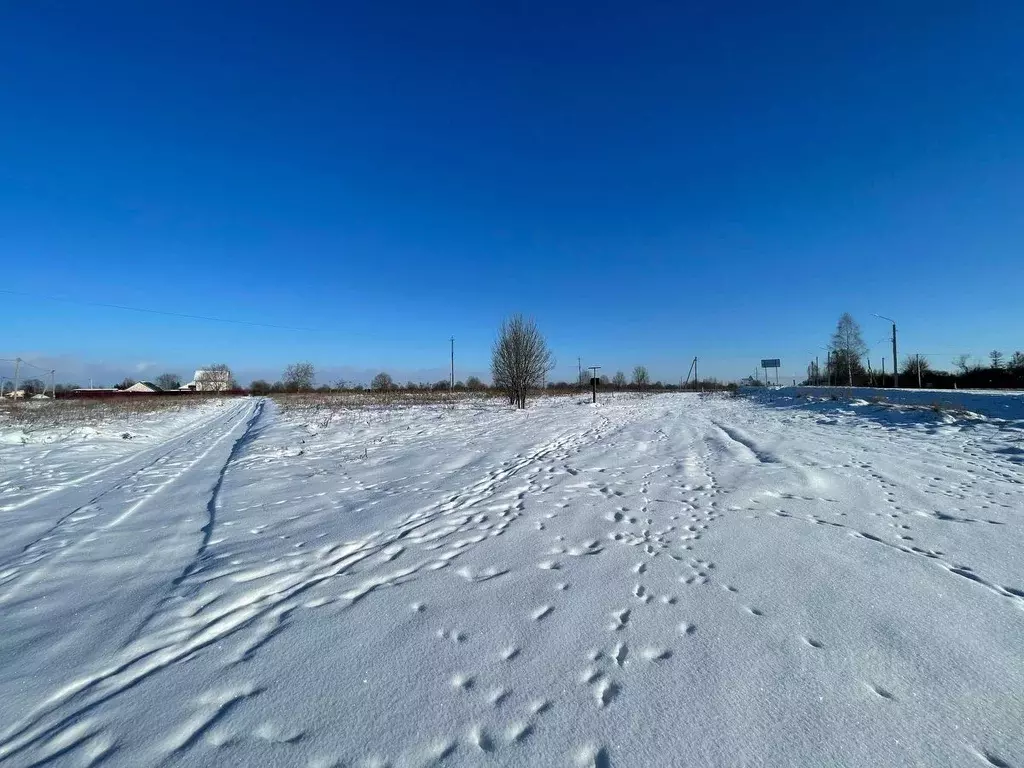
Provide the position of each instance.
(270, 599)
(211, 519)
(20, 578)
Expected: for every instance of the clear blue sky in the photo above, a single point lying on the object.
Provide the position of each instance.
(651, 181)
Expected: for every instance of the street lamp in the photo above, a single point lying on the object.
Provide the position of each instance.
(895, 359)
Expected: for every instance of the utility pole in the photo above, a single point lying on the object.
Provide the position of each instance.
(895, 356)
(593, 379)
(451, 384)
(883, 371)
(579, 373)
(695, 373)
(17, 365)
(53, 386)
(918, 357)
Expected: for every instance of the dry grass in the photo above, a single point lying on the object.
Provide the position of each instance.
(33, 415)
(311, 401)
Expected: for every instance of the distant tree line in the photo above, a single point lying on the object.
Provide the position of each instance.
(847, 363)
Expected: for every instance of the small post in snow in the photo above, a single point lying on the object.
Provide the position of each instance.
(593, 379)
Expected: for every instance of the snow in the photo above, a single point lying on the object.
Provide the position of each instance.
(672, 580)
(1007, 406)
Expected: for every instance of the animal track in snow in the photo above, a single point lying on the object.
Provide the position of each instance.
(879, 691)
(655, 654)
(543, 612)
(592, 757)
(478, 738)
(621, 619)
(619, 655)
(463, 682)
(452, 634)
(497, 696)
(605, 691)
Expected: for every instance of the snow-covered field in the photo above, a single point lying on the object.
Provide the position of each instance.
(676, 580)
(1007, 406)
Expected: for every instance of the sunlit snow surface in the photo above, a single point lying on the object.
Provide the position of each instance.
(672, 580)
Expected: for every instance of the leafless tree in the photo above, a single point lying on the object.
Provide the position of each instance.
(996, 357)
(640, 376)
(215, 378)
(168, 381)
(1016, 361)
(520, 359)
(962, 363)
(383, 382)
(619, 380)
(915, 365)
(848, 347)
(299, 377)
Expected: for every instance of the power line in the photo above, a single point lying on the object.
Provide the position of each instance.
(156, 311)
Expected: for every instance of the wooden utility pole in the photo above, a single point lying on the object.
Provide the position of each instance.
(883, 371)
(895, 356)
(895, 360)
(593, 379)
(451, 385)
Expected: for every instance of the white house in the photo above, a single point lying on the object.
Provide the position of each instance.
(143, 388)
(209, 381)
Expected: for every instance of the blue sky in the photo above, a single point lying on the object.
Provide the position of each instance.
(650, 181)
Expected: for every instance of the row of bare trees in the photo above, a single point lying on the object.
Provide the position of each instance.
(848, 353)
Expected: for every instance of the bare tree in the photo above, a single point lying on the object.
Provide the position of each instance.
(962, 362)
(640, 376)
(1016, 361)
(383, 382)
(473, 383)
(520, 359)
(915, 365)
(299, 377)
(619, 380)
(848, 347)
(996, 357)
(168, 381)
(215, 378)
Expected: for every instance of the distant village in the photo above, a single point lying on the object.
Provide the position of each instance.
(219, 380)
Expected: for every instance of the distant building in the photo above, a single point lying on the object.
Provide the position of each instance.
(143, 388)
(15, 394)
(209, 381)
